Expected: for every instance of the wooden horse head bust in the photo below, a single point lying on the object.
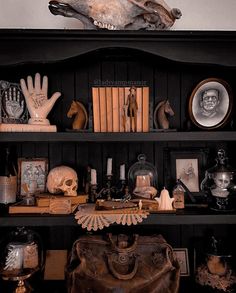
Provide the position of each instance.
(161, 115)
(78, 110)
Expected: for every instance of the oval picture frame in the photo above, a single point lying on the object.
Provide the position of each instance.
(211, 103)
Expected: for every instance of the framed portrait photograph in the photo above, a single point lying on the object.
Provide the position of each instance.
(182, 257)
(32, 175)
(187, 165)
(210, 104)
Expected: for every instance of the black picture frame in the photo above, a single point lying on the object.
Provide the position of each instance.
(32, 172)
(211, 103)
(13, 107)
(182, 257)
(191, 162)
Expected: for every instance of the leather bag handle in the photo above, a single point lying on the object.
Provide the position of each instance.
(131, 248)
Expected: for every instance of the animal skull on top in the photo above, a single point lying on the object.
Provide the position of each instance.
(118, 14)
(62, 179)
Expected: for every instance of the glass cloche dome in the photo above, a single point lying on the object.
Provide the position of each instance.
(21, 255)
(142, 178)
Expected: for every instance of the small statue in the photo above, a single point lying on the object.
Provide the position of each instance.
(161, 115)
(78, 110)
(164, 201)
(132, 107)
(37, 100)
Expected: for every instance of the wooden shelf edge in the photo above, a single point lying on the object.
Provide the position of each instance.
(152, 219)
(117, 137)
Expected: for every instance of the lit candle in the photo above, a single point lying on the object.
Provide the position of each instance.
(93, 176)
(122, 172)
(109, 166)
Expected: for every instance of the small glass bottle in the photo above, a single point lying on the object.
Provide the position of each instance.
(8, 178)
(178, 195)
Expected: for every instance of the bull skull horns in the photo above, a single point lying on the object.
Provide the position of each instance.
(118, 14)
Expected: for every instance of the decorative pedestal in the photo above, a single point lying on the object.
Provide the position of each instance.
(4, 127)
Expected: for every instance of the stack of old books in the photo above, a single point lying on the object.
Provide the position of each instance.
(49, 204)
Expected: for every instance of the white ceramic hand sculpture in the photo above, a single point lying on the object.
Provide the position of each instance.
(37, 100)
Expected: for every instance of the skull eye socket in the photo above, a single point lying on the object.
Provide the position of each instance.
(68, 182)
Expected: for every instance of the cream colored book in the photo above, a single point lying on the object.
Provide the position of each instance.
(115, 110)
(123, 116)
(139, 94)
(96, 110)
(43, 200)
(145, 109)
(109, 109)
(103, 109)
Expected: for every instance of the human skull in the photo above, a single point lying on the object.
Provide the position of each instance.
(62, 179)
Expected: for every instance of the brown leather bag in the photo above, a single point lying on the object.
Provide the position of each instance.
(146, 264)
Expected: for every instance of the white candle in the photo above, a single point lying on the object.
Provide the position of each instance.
(109, 166)
(93, 176)
(122, 172)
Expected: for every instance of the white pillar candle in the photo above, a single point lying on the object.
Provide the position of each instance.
(122, 172)
(109, 166)
(93, 176)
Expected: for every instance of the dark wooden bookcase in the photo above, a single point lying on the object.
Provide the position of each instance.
(171, 63)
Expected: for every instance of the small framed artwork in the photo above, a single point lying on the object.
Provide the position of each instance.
(12, 103)
(187, 165)
(182, 257)
(211, 103)
(32, 175)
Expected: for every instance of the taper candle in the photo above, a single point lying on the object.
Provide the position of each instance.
(109, 166)
(93, 176)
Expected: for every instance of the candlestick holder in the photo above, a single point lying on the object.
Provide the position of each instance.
(127, 196)
(93, 193)
(122, 190)
(107, 191)
(118, 192)
(109, 188)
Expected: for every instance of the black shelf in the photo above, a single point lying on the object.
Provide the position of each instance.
(199, 217)
(57, 45)
(117, 137)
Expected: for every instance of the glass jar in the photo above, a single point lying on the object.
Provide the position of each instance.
(142, 178)
(21, 255)
(178, 195)
(218, 184)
